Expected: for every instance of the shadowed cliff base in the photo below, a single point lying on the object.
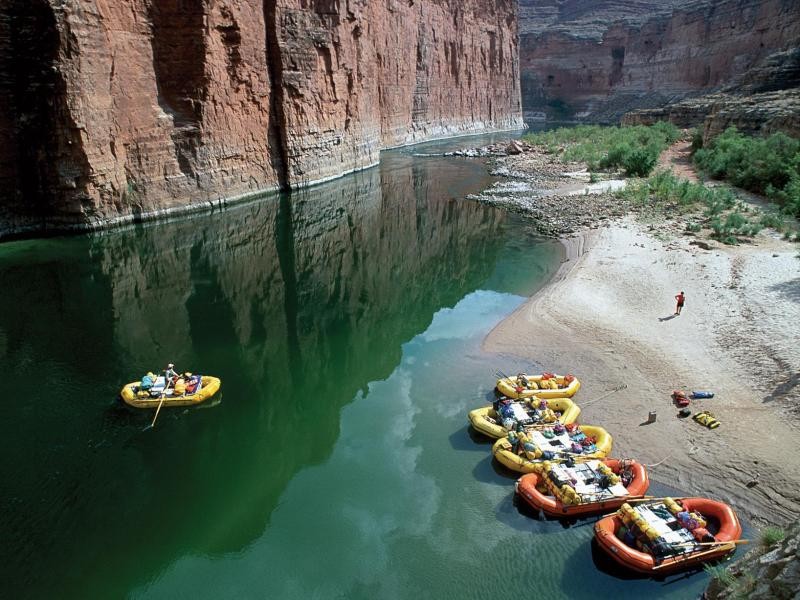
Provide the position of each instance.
(276, 133)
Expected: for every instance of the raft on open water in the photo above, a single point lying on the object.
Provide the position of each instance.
(133, 396)
(585, 488)
(663, 536)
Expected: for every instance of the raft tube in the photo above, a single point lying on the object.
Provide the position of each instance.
(486, 420)
(507, 386)
(527, 489)
(605, 532)
(208, 387)
(504, 453)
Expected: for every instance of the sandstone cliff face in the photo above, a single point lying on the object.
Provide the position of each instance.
(581, 68)
(765, 100)
(112, 110)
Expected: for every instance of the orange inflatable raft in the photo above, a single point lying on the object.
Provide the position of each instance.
(663, 536)
(585, 488)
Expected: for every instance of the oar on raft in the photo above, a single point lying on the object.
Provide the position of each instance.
(643, 498)
(717, 543)
(693, 556)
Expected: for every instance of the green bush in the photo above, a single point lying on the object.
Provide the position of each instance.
(721, 574)
(697, 140)
(768, 166)
(772, 535)
(727, 218)
(735, 221)
(633, 149)
(772, 219)
(693, 227)
(752, 229)
(668, 131)
(789, 196)
(641, 161)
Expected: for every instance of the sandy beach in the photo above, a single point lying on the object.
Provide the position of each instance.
(607, 316)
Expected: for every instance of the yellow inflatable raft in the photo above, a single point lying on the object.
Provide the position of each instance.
(536, 444)
(141, 399)
(488, 422)
(544, 386)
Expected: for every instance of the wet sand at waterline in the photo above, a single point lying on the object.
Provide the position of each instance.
(607, 317)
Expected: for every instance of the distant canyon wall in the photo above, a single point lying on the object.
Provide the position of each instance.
(765, 100)
(596, 60)
(116, 109)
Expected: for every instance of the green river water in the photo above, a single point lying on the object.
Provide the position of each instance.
(345, 322)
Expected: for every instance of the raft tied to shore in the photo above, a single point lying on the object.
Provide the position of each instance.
(521, 451)
(583, 488)
(666, 535)
(505, 414)
(546, 385)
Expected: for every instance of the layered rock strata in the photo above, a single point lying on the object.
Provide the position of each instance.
(765, 100)
(758, 114)
(581, 67)
(114, 110)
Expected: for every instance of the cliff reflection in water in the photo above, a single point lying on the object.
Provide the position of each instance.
(297, 303)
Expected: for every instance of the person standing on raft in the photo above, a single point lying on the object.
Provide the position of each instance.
(170, 375)
(680, 298)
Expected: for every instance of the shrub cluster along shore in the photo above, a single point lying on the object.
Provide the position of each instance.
(607, 315)
(572, 178)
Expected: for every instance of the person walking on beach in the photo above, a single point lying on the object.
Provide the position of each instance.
(680, 298)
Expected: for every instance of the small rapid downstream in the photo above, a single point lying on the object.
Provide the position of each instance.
(345, 322)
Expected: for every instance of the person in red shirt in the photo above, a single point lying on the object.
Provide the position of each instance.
(681, 298)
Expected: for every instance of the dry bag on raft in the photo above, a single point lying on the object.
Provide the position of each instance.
(148, 381)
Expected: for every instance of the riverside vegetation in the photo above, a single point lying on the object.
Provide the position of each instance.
(635, 150)
(765, 572)
(769, 166)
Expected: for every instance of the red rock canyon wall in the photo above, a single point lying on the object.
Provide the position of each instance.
(117, 109)
(596, 60)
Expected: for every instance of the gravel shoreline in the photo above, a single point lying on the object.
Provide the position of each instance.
(559, 198)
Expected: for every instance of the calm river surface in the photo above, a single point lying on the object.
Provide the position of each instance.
(345, 322)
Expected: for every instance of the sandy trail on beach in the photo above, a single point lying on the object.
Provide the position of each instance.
(607, 316)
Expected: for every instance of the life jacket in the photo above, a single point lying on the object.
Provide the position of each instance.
(180, 386)
(191, 385)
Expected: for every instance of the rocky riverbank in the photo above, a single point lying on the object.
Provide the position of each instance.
(765, 573)
(559, 198)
